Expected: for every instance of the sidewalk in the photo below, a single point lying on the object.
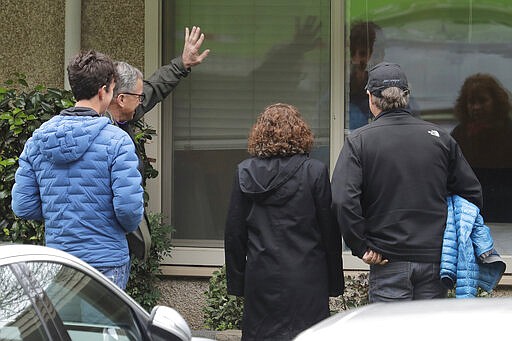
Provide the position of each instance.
(225, 335)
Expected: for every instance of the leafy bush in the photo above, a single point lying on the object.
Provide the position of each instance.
(222, 311)
(23, 110)
(143, 282)
(355, 295)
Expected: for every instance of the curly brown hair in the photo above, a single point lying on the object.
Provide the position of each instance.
(280, 131)
(475, 85)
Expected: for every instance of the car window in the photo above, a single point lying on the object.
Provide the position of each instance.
(18, 319)
(88, 310)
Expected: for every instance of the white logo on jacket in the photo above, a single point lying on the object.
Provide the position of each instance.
(433, 133)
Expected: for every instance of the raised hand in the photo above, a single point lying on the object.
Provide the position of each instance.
(193, 41)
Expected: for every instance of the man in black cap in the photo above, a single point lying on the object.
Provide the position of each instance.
(389, 189)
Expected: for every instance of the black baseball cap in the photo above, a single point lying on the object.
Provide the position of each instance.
(386, 75)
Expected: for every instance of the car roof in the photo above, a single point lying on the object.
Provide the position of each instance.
(468, 319)
(24, 252)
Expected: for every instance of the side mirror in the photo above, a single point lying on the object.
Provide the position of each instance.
(167, 324)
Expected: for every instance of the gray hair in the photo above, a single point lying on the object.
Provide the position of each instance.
(391, 98)
(127, 77)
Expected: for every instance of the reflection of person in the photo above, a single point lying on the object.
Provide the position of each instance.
(485, 137)
(283, 249)
(366, 49)
(485, 130)
(389, 192)
(79, 173)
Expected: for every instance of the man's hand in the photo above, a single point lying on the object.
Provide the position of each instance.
(373, 258)
(193, 41)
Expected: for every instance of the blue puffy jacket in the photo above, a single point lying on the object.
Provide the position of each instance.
(466, 239)
(79, 173)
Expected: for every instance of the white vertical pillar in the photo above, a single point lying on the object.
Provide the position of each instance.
(72, 33)
(337, 79)
(152, 61)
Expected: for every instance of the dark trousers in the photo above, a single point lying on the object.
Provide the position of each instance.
(405, 281)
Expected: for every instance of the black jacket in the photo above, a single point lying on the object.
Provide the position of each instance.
(283, 248)
(390, 186)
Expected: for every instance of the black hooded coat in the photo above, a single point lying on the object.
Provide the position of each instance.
(283, 248)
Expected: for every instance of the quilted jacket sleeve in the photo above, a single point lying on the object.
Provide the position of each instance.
(26, 201)
(127, 190)
(467, 267)
(448, 270)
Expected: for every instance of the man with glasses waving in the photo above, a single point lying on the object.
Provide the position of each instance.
(134, 97)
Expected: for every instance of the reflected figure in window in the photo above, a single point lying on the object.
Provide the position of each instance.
(367, 43)
(282, 245)
(485, 136)
(485, 130)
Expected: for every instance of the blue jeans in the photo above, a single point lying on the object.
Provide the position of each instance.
(405, 281)
(117, 274)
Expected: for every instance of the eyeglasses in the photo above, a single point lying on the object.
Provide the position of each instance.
(140, 97)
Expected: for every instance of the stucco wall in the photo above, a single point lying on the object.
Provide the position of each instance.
(32, 36)
(32, 40)
(115, 28)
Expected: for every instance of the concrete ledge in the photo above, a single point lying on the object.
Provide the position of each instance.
(225, 335)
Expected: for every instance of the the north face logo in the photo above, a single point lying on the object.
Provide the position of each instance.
(433, 133)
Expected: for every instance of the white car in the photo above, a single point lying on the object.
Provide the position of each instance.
(47, 294)
(433, 320)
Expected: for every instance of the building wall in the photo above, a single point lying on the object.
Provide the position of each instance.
(115, 28)
(32, 41)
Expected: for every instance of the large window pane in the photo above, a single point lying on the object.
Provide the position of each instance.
(262, 52)
(457, 56)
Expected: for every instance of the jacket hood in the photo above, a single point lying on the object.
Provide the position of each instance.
(269, 179)
(65, 139)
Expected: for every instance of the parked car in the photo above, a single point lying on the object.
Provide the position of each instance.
(47, 294)
(442, 319)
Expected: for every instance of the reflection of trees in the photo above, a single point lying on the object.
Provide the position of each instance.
(15, 306)
(13, 300)
(39, 279)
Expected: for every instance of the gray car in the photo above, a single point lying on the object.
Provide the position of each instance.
(47, 294)
(443, 319)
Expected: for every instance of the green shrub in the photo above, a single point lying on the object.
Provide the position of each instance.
(143, 283)
(355, 295)
(22, 111)
(222, 311)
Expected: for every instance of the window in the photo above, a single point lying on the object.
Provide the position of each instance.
(457, 58)
(263, 52)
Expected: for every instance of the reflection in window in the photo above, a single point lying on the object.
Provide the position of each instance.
(263, 52)
(87, 309)
(18, 319)
(457, 58)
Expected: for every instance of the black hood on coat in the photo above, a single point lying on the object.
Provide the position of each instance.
(268, 180)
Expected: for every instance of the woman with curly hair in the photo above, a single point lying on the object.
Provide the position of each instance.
(484, 135)
(282, 246)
